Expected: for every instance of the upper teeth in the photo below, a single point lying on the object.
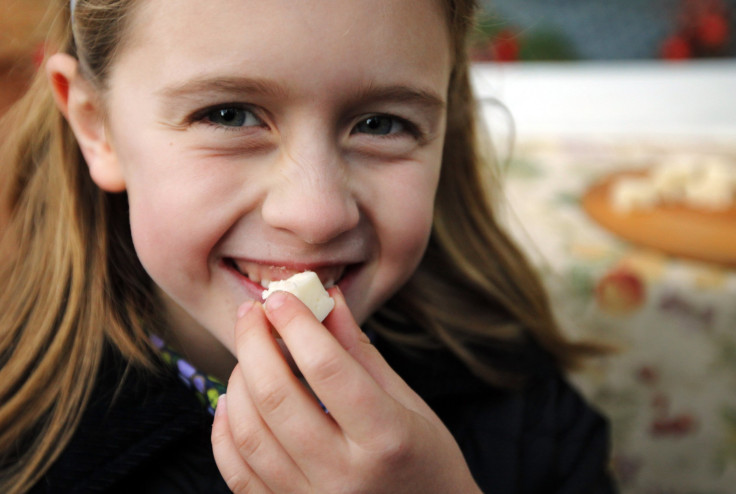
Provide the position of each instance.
(264, 275)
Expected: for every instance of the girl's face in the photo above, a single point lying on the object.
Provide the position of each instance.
(257, 139)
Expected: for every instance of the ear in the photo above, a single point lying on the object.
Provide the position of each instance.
(80, 103)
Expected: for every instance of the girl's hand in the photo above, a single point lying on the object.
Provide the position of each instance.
(270, 434)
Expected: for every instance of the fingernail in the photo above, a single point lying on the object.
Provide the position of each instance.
(220, 407)
(245, 308)
(275, 301)
(335, 290)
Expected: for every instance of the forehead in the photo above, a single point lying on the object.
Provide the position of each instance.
(319, 42)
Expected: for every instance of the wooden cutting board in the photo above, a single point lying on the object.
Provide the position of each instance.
(674, 229)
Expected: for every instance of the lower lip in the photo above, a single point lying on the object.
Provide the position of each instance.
(255, 291)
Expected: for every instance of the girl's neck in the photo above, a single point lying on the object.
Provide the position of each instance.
(195, 344)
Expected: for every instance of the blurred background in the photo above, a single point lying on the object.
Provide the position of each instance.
(581, 97)
(577, 94)
(20, 46)
(533, 30)
(608, 66)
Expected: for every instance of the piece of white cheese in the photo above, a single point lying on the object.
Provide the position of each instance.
(671, 177)
(706, 183)
(630, 194)
(709, 192)
(307, 288)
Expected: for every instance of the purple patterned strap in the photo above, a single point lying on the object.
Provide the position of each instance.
(207, 388)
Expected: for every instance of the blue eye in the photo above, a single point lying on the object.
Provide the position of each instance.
(380, 125)
(232, 117)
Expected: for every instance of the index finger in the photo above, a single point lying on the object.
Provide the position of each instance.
(342, 384)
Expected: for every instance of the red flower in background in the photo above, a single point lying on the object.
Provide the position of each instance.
(620, 291)
(676, 425)
(501, 46)
(712, 30)
(505, 46)
(676, 48)
(702, 31)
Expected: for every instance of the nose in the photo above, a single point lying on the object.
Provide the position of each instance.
(311, 196)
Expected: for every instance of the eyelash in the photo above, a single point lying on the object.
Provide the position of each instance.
(407, 127)
(204, 117)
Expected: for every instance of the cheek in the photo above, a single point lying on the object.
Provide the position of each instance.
(402, 230)
(406, 232)
(411, 196)
(180, 204)
(173, 221)
(163, 246)
(406, 224)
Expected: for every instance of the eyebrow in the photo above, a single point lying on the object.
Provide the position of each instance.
(404, 94)
(197, 87)
(222, 85)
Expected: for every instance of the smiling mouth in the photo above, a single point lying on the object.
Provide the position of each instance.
(263, 274)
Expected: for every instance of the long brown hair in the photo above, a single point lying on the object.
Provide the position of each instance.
(73, 286)
(475, 292)
(71, 281)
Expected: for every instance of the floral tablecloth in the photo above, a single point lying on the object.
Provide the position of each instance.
(670, 391)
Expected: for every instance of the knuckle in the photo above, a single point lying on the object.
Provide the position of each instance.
(270, 395)
(240, 483)
(248, 442)
(325, 368)
(393, 449)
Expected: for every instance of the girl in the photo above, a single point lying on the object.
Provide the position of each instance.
(180, 155)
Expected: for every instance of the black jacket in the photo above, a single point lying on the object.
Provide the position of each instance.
(152, 435)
